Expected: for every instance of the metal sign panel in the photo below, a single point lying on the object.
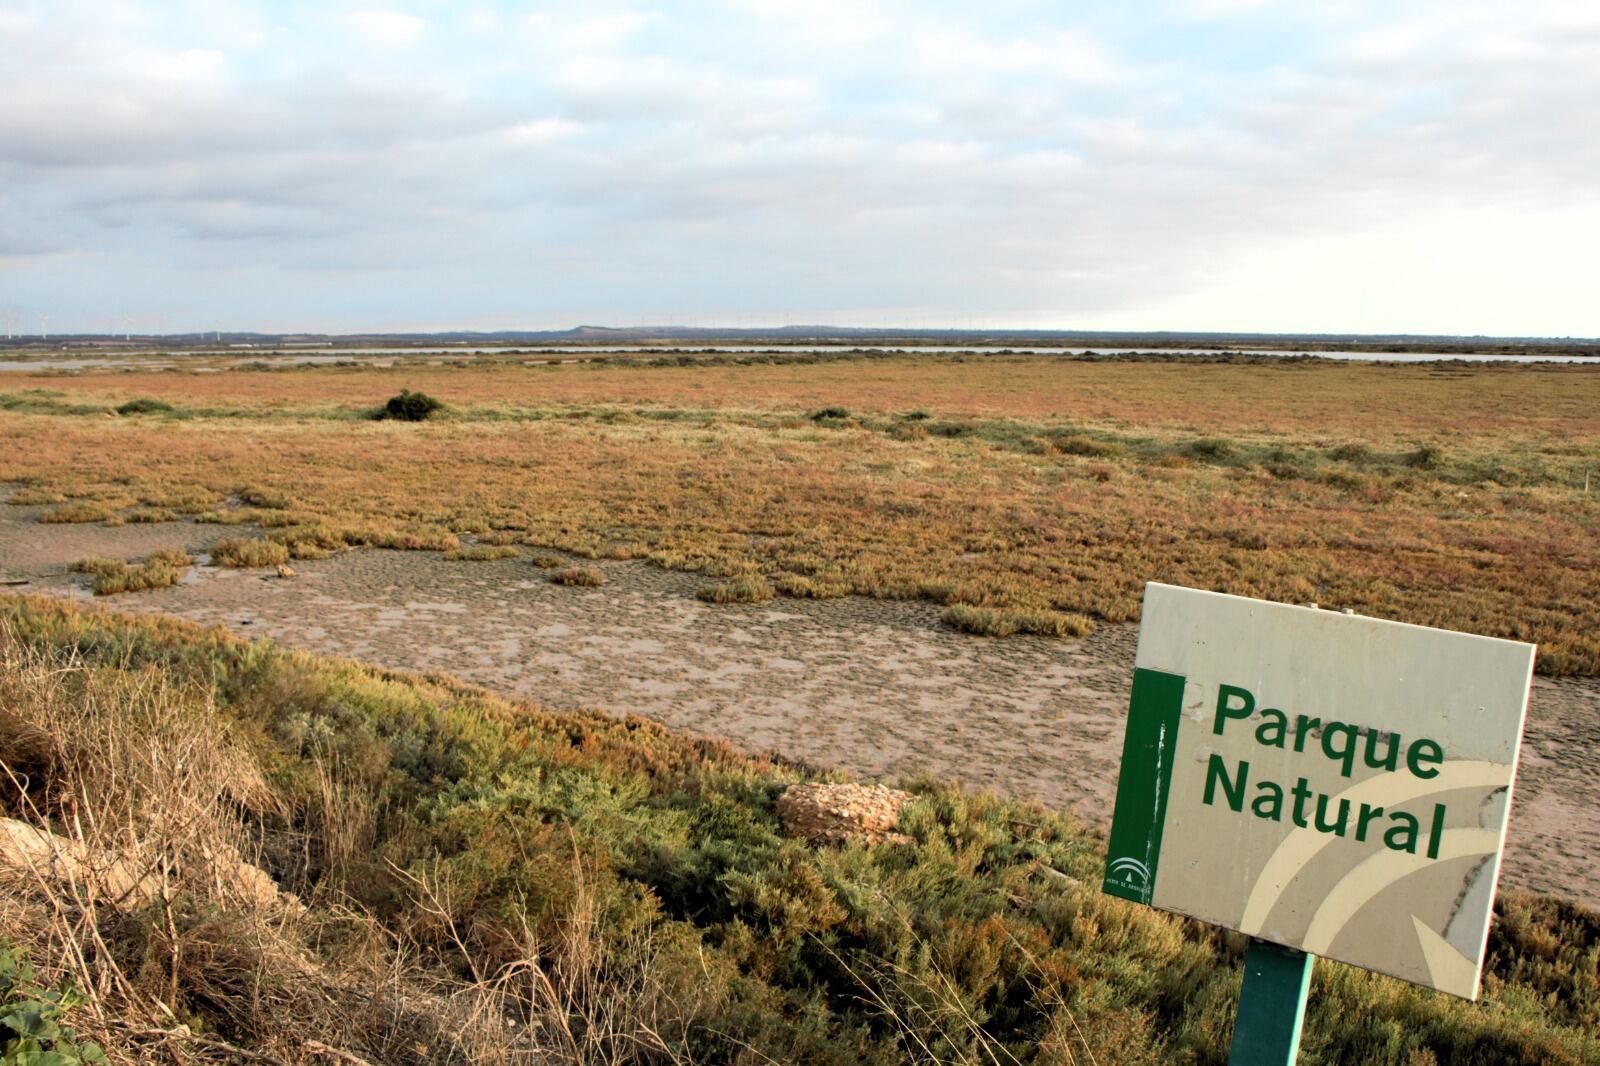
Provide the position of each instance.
(1329, 782)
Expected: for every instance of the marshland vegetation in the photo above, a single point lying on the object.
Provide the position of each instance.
(283, 858)
(1025, 493)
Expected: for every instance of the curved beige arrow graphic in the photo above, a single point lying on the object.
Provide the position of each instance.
(1303, 845)
(1376, 873)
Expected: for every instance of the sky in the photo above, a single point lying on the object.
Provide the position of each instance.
(1182, 165)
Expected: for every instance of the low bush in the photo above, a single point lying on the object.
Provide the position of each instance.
(1213, 448)
(810, 588)
(1426, 457)
(267, 499)
(580, 576)
(548, 561)
(1074, 444)
(158, 571)
(1350, 453)
(410, 407)
(746, 588)
(1008, 621)
(246, 553)
(482, 553)
(141, 515)
(33, 497)
(830, 414)
(144, 405)
(79, 513)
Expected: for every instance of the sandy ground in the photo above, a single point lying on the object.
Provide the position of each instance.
(879, 689)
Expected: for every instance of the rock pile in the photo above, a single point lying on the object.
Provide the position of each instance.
(835, 814)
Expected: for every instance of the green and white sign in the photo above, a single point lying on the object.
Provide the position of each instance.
(1332, 783)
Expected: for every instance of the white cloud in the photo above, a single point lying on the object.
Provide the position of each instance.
(745, 156)
(386, 27)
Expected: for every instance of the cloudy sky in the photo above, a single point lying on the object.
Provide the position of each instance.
(1194, 164)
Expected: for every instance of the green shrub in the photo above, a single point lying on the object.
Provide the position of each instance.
(410, 407)
(1213, 448)
(830, 414)
(1351, 453)
(580, 576)
(746, 588)
(144, 405)
(33, 1029)
(1426, 457)
(1074, 444)
(243, 554)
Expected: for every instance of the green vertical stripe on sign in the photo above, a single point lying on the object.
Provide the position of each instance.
(1147, 752)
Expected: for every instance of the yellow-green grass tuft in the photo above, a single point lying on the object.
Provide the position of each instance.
(157, 571)
(745, 588)
(245, 553)
(78, 513)
(482, 553)
(1008, 621)
(579, 576)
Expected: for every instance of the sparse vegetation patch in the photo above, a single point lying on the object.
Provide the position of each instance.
(580, 576)
(82, 511)
(144, 405)
(1006, 621)
(480, 553)
(746, 588)
(158, 571)
(245, 553)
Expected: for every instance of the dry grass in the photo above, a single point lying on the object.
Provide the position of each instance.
(152, 819)
(1444, 495)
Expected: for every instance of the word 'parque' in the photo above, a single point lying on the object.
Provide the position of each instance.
(1342, 743)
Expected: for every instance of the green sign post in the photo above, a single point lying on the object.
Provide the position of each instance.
(1272, 1005)
(1328, 784)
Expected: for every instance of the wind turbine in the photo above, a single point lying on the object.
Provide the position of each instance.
(44, 327)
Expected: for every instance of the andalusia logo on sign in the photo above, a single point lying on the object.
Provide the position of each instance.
(1332, 783)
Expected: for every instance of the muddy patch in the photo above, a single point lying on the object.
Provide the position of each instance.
(876, 688)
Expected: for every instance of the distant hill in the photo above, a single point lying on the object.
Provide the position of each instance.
(842, 335)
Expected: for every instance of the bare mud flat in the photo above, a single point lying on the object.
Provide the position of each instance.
(878, 689)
